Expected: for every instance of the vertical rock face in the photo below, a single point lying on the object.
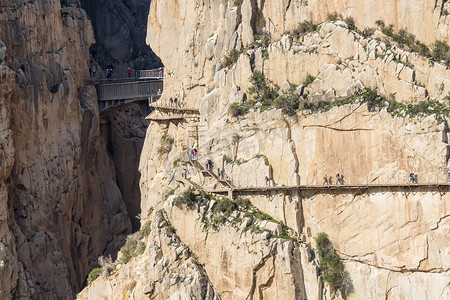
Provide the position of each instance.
(393, 244)
(58, 192)
(120, 28)
(125, 133)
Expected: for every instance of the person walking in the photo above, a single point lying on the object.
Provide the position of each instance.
(129, 72)
(94, 70)
(171, 101)
(338, 178)
(267, 181)
(175, 101)
(411, 177)
(160, 72)
(325, 179)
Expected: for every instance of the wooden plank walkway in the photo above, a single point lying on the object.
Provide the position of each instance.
(347, 189)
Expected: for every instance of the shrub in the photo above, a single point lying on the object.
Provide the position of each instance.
(262, 40)
(144, 231)
(308, 80)
(176, 162)
(389, 31)
(368, 32)
(225, 206)
(303, 28)
(330, 264)
(262, 90)
(168, 194)
(441, 52)
(350, 23)
(128, 250)
(231, 58)
(188, 198)
(379, 23)
(237, 109)
(166, 144)
(333, 17)
(444, 12)
(94, 274)
(243, 203)
(288, 102)
(237, 2)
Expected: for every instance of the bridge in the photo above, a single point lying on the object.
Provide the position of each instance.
(114, 94)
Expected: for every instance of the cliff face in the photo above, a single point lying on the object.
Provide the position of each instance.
(393, 243)
(120, 28)
(58, 194)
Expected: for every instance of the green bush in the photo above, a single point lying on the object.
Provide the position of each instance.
(225, 206)
(330, 264)
(237, 2)
(368, 32)
(188, 198)
(262, 90)
(379, 23)
(176, 162)
(262, 40)
(308, 80)
(350, 23)
(441, 52)
(94, 274)
(302, 29)
(333, 17)
(169, 193)
(288, 102)
(144, 231)
(243, 203)
(231, 58)
(128, 250)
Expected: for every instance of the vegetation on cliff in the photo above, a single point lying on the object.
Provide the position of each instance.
(232, 212)
(330, 265)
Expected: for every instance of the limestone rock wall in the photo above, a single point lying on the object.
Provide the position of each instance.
(61, 207)
(167, 269)
(392, 258)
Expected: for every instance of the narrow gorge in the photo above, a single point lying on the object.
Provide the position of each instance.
(221, 193)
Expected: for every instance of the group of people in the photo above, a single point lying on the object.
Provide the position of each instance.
(173, 102)
(329, 180)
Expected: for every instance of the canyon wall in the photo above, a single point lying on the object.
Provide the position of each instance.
(61, 206)
(120, 28)
(393, 242)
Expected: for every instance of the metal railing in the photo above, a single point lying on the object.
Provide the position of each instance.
(154, 73)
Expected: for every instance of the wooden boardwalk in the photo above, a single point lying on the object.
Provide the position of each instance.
(335, 189)
(163, 112)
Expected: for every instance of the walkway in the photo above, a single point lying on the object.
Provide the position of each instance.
(163, 112)
(336, 189)
(209, 173)
(116, 93)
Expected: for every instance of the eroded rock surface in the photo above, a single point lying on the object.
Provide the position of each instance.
(61, 207)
